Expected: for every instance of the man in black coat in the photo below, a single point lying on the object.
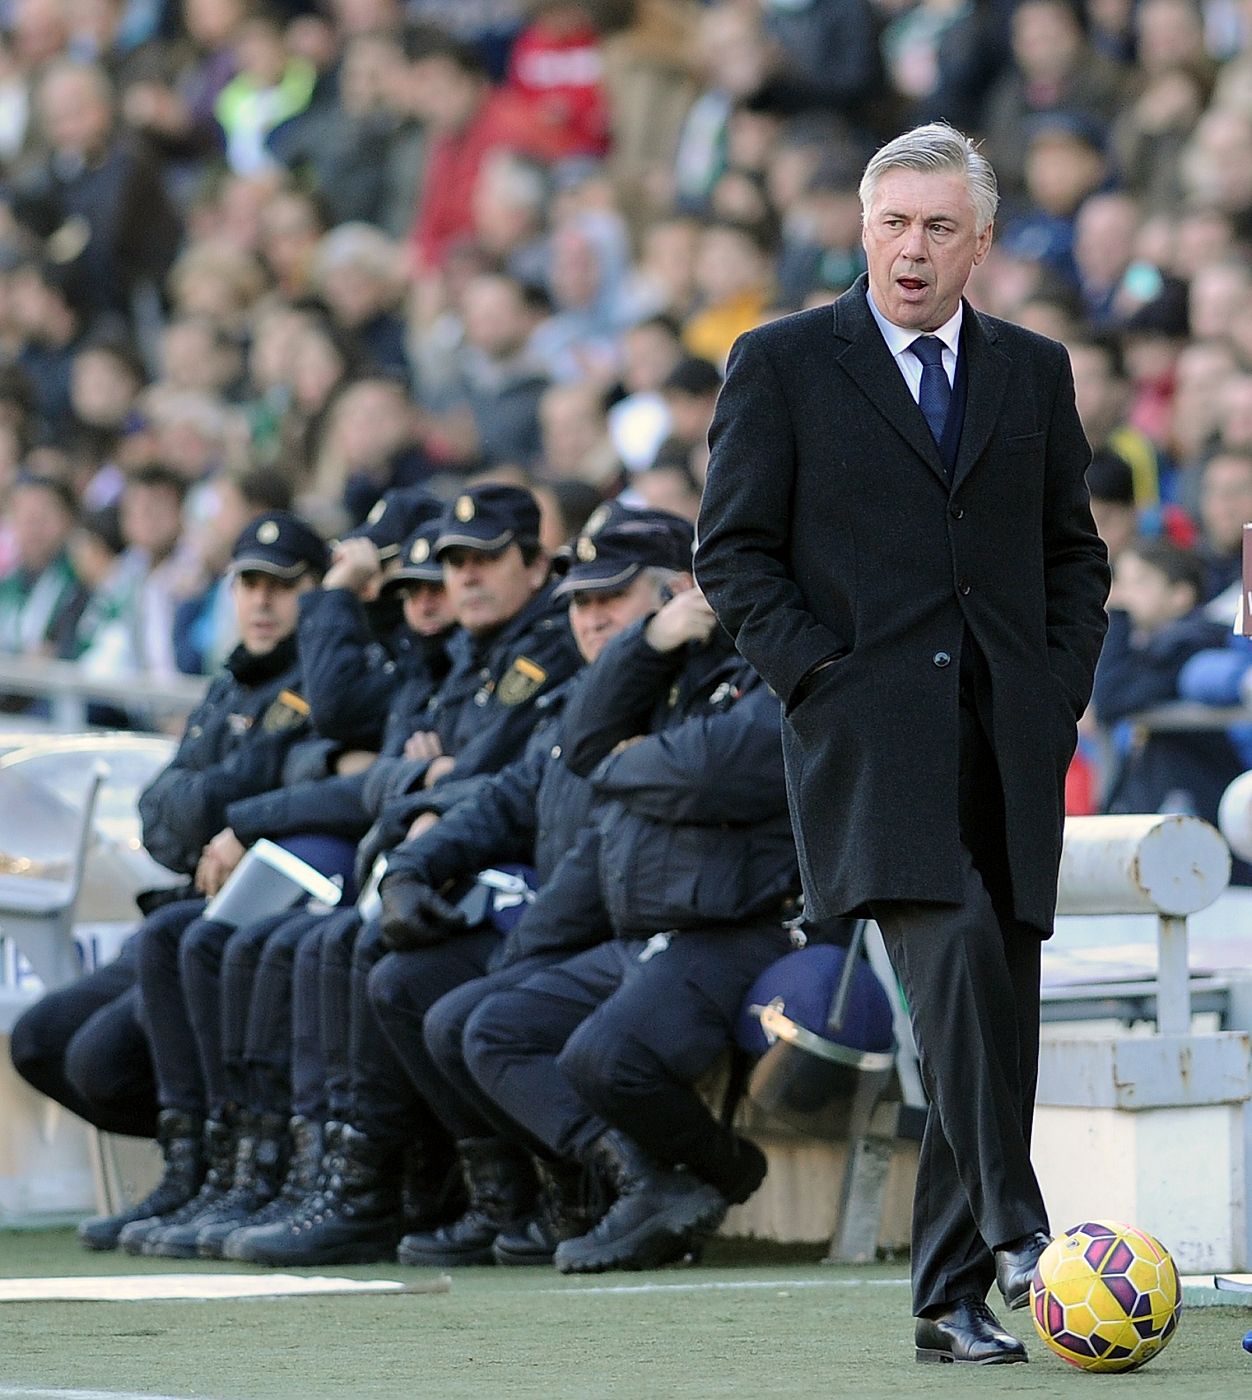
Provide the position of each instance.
(896, 533)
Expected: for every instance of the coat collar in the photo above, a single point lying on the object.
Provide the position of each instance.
(867, 360)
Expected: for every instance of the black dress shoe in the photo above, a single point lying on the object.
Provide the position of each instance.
(967, 1332)
(1015, 1267)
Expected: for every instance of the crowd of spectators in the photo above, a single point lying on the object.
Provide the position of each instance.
(251, 258)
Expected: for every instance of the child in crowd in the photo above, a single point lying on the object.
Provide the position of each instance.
(1155, 627)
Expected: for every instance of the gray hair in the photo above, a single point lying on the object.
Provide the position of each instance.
(940, 147)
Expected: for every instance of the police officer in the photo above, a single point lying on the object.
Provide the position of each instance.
(533, 811)
(596, 1056)
(237, 984)
(235, 743)
(208, 980)
(355, 646)
(514, 648)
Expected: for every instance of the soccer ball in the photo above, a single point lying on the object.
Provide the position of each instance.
(1105, 1296)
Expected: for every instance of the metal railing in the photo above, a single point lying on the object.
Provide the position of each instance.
(69, 692)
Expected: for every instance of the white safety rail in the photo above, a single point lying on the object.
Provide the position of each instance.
(69, 691)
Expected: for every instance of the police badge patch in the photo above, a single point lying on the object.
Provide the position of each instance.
(287, 712)
(520, 681)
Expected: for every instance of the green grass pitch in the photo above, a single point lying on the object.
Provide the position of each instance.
(780, 1325)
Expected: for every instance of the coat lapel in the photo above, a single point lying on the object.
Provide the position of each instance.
(868, 362)
(986, 380)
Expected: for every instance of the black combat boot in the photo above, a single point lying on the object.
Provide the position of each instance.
(260, 1165)
(355, 1220)
(219, 1161)
(571, 1200)
(432, 1192)
(179, 1135)
(177, 1237)
(656, 1218)
(307, 1138)
(501, 1186)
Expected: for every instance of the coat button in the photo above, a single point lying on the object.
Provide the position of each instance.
(963, 588)
(941, 659)
(956, 512)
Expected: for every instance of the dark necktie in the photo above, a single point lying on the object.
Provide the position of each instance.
(936, 392)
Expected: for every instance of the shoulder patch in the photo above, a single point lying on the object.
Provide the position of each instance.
(520, 681)
(287, 712)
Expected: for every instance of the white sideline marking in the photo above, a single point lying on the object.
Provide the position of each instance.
(21, 1392)
(737, 1286)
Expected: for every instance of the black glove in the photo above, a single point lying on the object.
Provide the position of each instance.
(416, 916)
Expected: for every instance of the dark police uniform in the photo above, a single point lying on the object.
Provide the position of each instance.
(483, 713)
(697, 871)
(83, 1045)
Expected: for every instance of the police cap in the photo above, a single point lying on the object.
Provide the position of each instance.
(394, 517)
(609, 560)
(489, 518)
(281, 544)
(416, 561)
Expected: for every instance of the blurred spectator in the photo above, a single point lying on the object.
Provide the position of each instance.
(734, 279)
(132, 619)
(1112, 489)
(1054, 70)
(575, 436)
(489, 412)
(95, 202)
(690, 392)
(821, 244)
(1102, 395)
(40, 596)
(1155, 627)
(1225, 507)
(639, 422)
(357, 272)
(272, 86)
(1103, 249)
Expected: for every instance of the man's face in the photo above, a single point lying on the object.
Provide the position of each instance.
(40, 527)
(1146, 594)
(426, 608)
(266, 609)
(921, 244)
(152, 518)
(595, 618)
(487, 590)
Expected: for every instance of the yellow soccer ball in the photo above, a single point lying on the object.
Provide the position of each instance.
(1106, 1296)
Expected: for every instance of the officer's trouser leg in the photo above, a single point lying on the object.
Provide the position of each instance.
(238, 986)
(635, 1059)
(385, 1105)
(402, 989)
(200, 969)
(338, 938)
(84, 1046)
(308, 1061)
(266, 1045)
(465, 1110)
(513, 1040)
(180, 1083)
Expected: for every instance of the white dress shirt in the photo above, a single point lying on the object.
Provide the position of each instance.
(898, 341)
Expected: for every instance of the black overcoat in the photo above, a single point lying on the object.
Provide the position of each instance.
(830, 529)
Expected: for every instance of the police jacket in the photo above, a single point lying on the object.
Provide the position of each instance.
(353, 659)
(334, 805)
(530, 812)
(485, 711)
(234, 745)
(694, 829)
